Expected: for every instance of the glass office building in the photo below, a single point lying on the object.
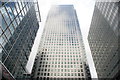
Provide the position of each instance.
(61, 53)
(19, 22)
(104, 39)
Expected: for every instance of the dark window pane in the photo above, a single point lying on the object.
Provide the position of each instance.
(8, 63)
(0, 4)
(12, 40)
(8, 46)
(0, 52)
(3, 56)
(11, 28)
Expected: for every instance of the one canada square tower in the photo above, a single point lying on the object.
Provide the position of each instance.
(61, 53)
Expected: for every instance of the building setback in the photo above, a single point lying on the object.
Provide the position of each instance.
(61, 53)
(19, 22)
(103, 38)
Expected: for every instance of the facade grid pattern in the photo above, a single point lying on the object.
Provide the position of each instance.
(61, 52)
(104, 41)
(18, 28)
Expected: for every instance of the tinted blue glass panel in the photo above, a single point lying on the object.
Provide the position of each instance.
(4, 26)
(14, 9)
(10, 13)
(10, 4)
(6, 17)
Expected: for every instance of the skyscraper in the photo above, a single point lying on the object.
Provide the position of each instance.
(103, 39)
(61, 53)
(19, 22)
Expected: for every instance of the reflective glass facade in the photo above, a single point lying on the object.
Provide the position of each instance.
(18, 27)
(61, 53)
(104, 40)
(110, 12)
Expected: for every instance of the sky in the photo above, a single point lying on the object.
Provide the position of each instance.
(84, 11)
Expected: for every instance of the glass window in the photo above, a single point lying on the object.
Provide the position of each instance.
(23, 12)
(17, 19)
(29, 5)
(11, 28)
(10, 11)
(0, 50)
(26, 8)
(8, 63)
(14, 8)
(0, 19)
(5, 15)
(0, 31)
(17, 7)
(4, 26)
(81, 70)
(20, 16)
(14, 23)
(3, 40)
(20, 5)
(82, 74)
(12, 40)
(1, 4)
(3, 56)
(7, 33)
